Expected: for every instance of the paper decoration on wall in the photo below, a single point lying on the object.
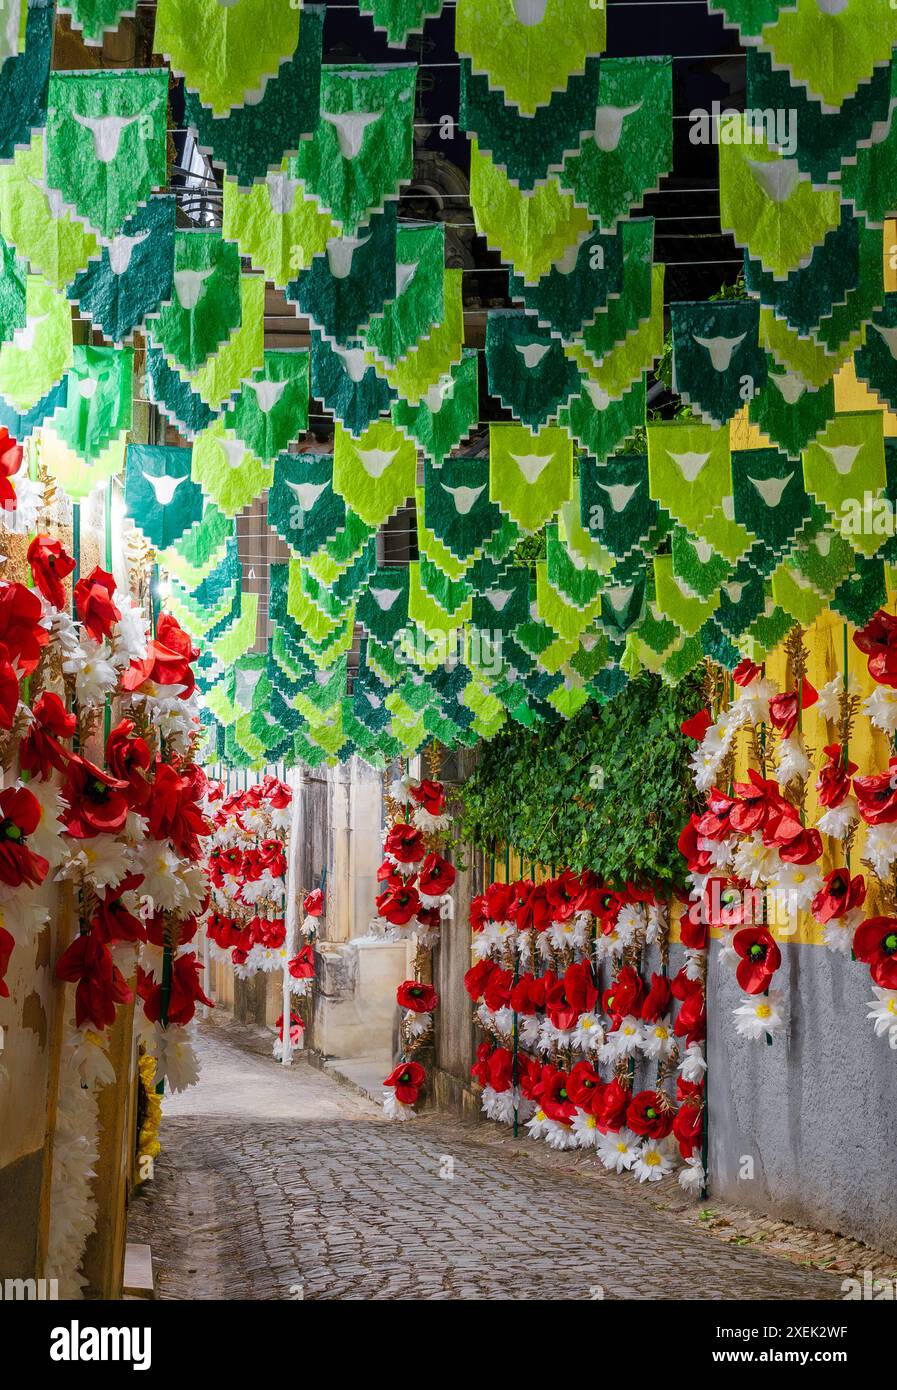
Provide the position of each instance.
(276, 224)
(788, 412)
(251, 140)
(349, 284)
(832, 46)
(173, 397)
(601, 425)
(399, 18)
(457, 508)
(770, 209)
(302, 505)
(533, 232)
(83, 444)
(572, 293)
(361, 151)
(13, 275)
(106, 143)
(272, 407)
(528, 49)
(436, 354)
(226, 53)
(227, 469)
(616, 506)
(33, 361)
(447, 412)
(206, 307)
(552, 132)
(844, 465)
(770, 501)
(53, 244)
(25, 56)
(530, 476)
(632, 144)
(133, 275)
(347, 384)
(718, 364)
(527, 369)
(96, 18)
(160, 496)
(876, 360)
(223, 373)
(419, 303)
(375, 474)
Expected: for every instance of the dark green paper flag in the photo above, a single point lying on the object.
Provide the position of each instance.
(272, 407)
(457, 508)
(303, 508)
(133, 275)
(206, 306)
(350, 389)
(528, 369)
(349, 284)
(160, 497)
(717, 361)
(24, 77)
(876, 360)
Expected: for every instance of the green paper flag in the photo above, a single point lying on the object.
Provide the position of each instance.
(276, 224)
(868, 184)
(832, 273)
(690, 473)
(862, 593)
(504, 605)
(251, 140)
(447, 413)
(845, 470)
(106, 143)
(160, 497)
(272, 407)
(533, 232)
(457, 508)
(399, 18)
(626, 312)
(348, 386)
(811, 361)
(675, 602)
(348, 285)
(243, 353)
(790, 414)
(25, 52)
(552, 132)
(206, 306)
(601, 426)
(770, 209)
(718, 364)
(375, 474)
(749, 16)
(96, 18)
(636, 354)
(527, 369)
(302, 505)
(578, 583)
(53, 244)
(528, 49)
(84, 443)
(361, 150)
(575, 291)
(530, 475)
(831, 46)
(201, 548)
(22, 425)
(12, 292)
(228, 471)
(133, 275)
(173, 397)
(632, 146)
(435, 355)
(419, 303)
(225, 53)
(383, 608)
(742, 599)
(876, 360)
(38, 354)
(622, 606)
(616, 507)
(696, 563)
(770, 501)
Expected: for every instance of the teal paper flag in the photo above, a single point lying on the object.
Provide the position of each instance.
(788, 412)
(348, 386)
(133, 275)
(770, 500)
(350, 284)
(570, 296)
(383, 609)
(419, 303)
(303, 508)
(616, 507)
(601, 425)
(528, 369)
(160, 497)
(457, 508)
(173, 397)
(717, 361)
(24, 76)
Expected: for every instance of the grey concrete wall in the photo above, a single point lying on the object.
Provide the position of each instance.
(816, 1111)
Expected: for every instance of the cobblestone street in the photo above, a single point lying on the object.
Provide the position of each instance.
(280, 1184)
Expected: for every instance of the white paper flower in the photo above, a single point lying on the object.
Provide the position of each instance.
(618, 1151)
(754, 861)
(691, 1175)
(537, 1124)
(558, 1136)
(630, 921)
(394, 1108)
(588, 1035)
(760, 1014)
(793, 762)
(95, 676)
(585, 1128)
(652, 1163)
(608, 946)
(29, 501)
(837, 820)
(656, 1039)
(883, 1013)
(693, 1065)
(881, 708)
(881, 848)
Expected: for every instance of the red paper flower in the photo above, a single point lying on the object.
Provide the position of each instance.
(745, 672)
(112, 921)
(101, 984)
(421, 999)
(760, 958)
(313, 906)
(585, 1087)
(302, 967)
(878, 640)
(497, 993)
(840, 895)
(94, 603)
(21, 635)
(783, 709)
(877, 796)
(436, 876)
(7, 942)
(405, 843)
(610, 1110)
(173, 813)
(20, 815)
(167, 661)
(796, 844)
(10, 463)
(697, 726)
(759, 801)
(833, 782)
(875, 942)
(500, 902)
(528, 994)
(128, 757)
(477, 977)
(406, 1080)
(186, 992)
(500, 1070)
(688, 1128)
(398, 905)
(430, 796)
(649, 1113)
(41, 751)
(658, 1000)
(9, 692)
(97, 804)
(625, 994)
(50, 564)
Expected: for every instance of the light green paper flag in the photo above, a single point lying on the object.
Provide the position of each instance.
(276, 224)
(375, 474)
(223, 373)
(831, 46)
(98, 410)
(225, 52)
(34, 361)
(842, 466)
(106, 147)
(625, 364)
(447, 412)
(601, 425)
(237, 640)
(528, 49)
(686, 610)
(53, 243)
(804, 357)
(227, 469)
(419, 303)
(206, 307)
(272, 408)
(530, 476)
(13, 20)
(689, 470)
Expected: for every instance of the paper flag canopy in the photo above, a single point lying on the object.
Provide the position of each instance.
(528, 49)
(226, 53)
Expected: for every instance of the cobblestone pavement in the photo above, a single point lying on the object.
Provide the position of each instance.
(280, 1184)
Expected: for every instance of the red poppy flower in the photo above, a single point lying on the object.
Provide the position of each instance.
(563, 895)
(9, 692)
(97, 804)
(691, 1020)
(796, 844)
(833, 782)
(278, 796)
(528, 994)
(715, 823)
(7, 942)
(41, 751)
(21, 635)
(688, 1128)
(625, 995)
(745, 672)
(10, 463)
(649, 1113)
(497, 992)
(50, 564)
(697, 726)
(875, 942)
(500, 902)
(535, 915)
(173, 813)
(20, 815)
(405, 844)
(760, 958)
(694, 926)
(112, 921)
(689, 845)
(840, 895)
(658, 999)
(523, 891)
(610, 1110)
(186, 992)
(128, 757)
(313, 904)
(223, 930)
(877, 796)
(585, 1086)
(167, 661)
(406, 1080)
(580, 987)
(101, 984)
(500, 1070)
(436, 876)
(430, 796)
(480, 1069)
(878, 641)
(398, 905)
(477, 978)
(421, 999)
(758, 801)
(783, 709)
(94, 603)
